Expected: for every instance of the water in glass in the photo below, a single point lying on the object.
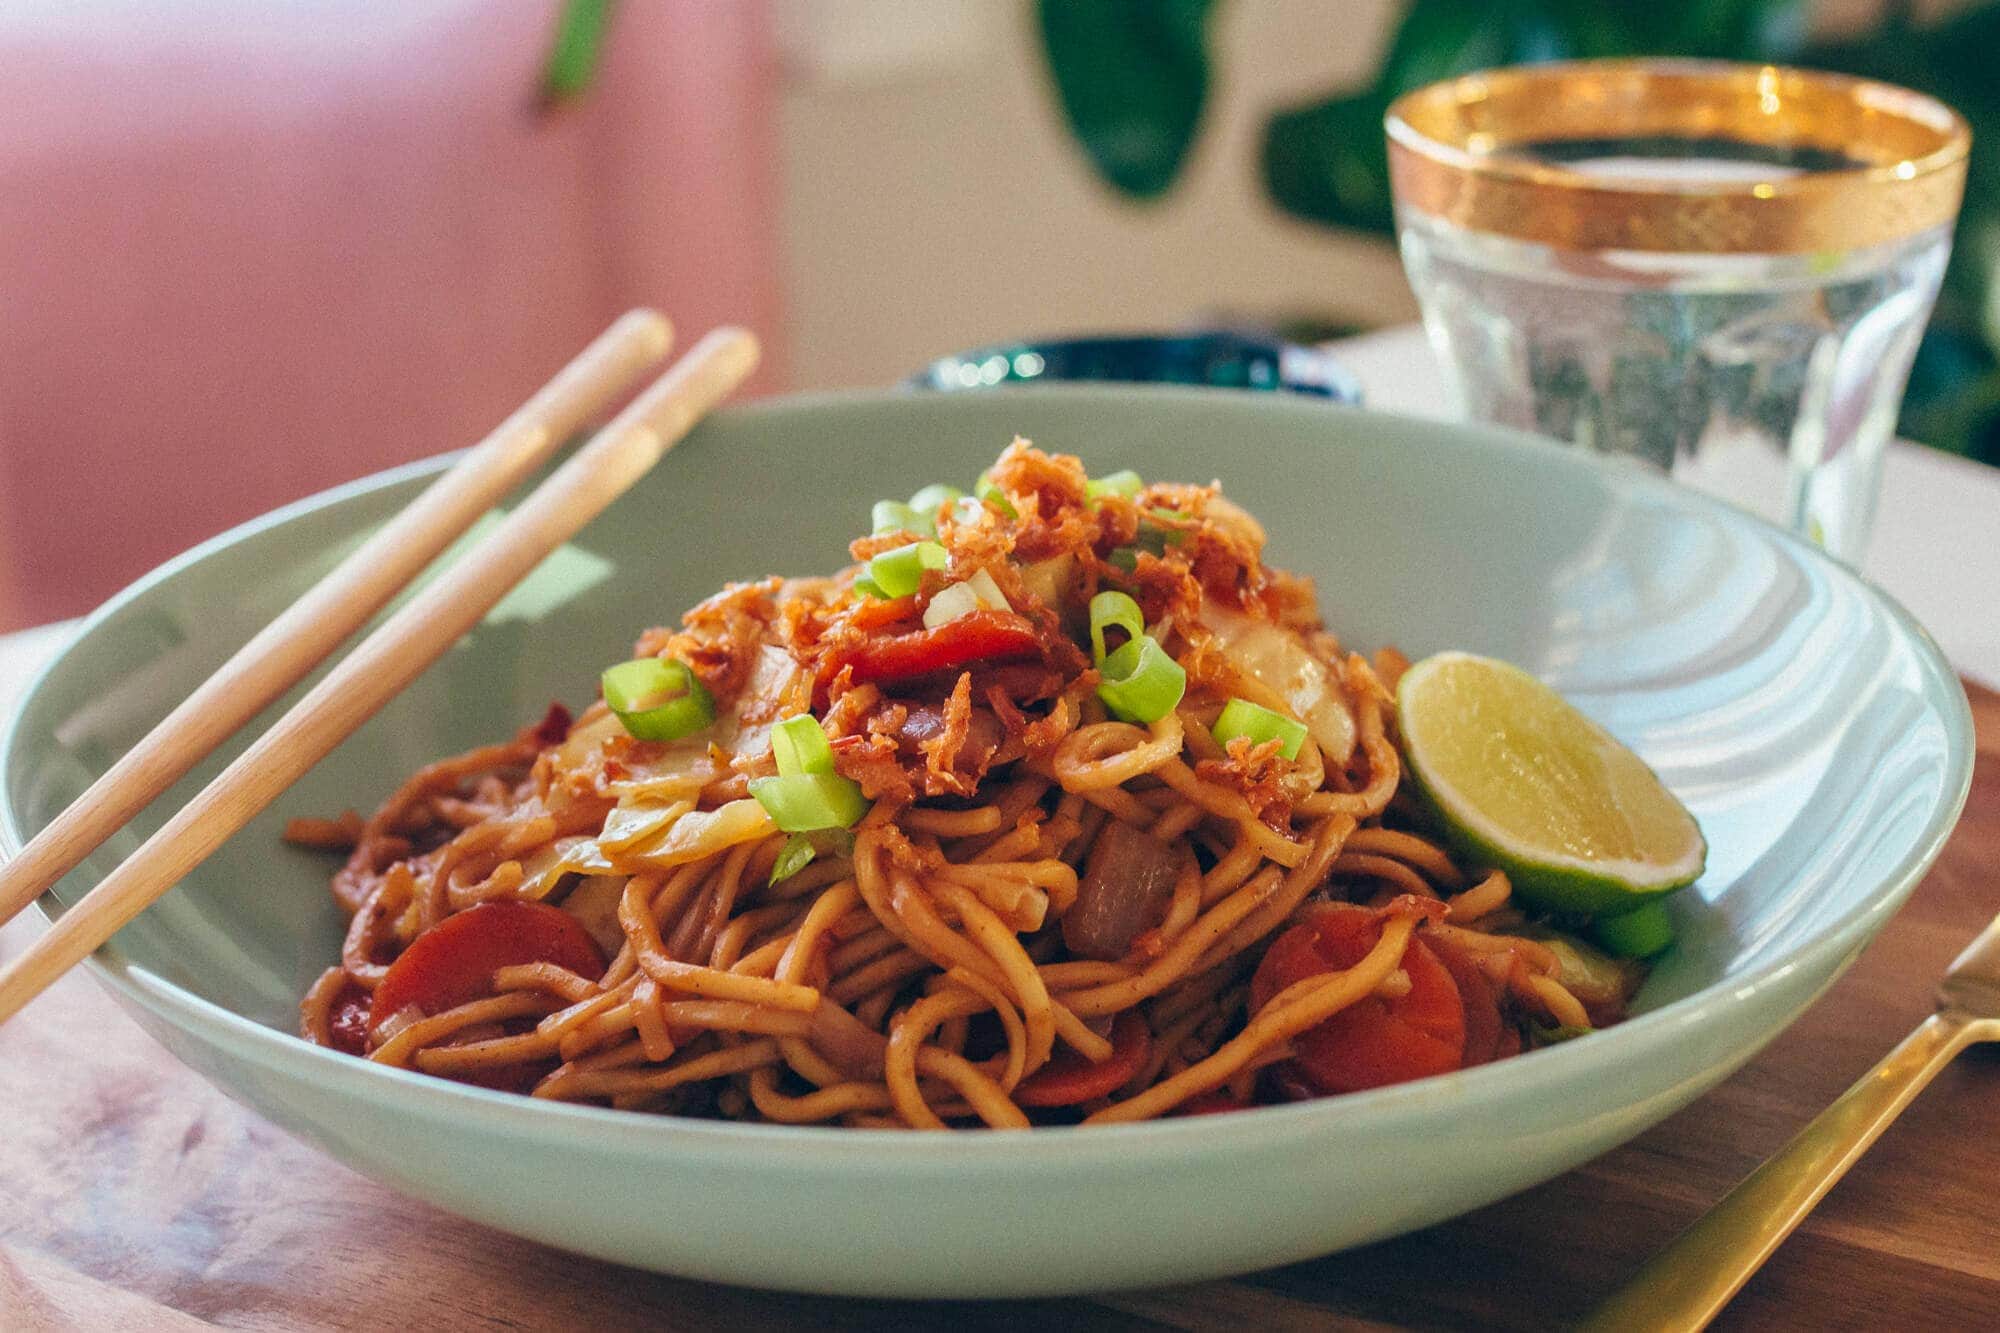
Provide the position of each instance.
(1768, 377)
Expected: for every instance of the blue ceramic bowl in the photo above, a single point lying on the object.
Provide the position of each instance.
(1814, 729)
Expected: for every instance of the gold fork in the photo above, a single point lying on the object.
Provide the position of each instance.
(1687, 1284)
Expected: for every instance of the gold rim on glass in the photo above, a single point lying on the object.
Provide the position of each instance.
(1455, 153)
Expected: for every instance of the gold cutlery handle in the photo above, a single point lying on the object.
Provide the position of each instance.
(1687, 1284)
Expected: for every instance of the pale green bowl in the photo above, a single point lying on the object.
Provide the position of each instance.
(1814, 729)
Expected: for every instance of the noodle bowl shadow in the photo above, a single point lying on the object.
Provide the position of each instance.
(1808, 721)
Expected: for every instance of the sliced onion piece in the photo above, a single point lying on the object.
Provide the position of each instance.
(543, 870)
(702, 833)
(773, 675)
(1049, 581)
(978, 593)
(585, 738)
(1273, 667)
(1234, 518)
(594, 904)
(633, 822)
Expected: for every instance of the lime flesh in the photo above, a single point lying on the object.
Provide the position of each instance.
(1524, 781)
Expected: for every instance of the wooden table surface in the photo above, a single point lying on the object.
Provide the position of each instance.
(132, 1195)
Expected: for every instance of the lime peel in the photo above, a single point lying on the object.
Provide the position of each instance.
(1524, 781)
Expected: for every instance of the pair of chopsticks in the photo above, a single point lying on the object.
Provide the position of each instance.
(387, 660)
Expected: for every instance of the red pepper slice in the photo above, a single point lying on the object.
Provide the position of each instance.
(1375, 1041)
(1068, 1078)
(977, 636)
(453, 962)
(1482, 1005)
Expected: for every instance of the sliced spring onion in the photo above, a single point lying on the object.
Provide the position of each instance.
(1155, 536)
(989, 490)
(658, 698)
(895, 516)
(898, 573)
(799, 745)
(1124, 482)
(927, 500)
(1258, 724)
(1639, 933)
(1141, 683)
(868, 587)
(978, 593)
(919, 514)
(1108, 609)
(802, 802)
(796, 856)
(801, 849)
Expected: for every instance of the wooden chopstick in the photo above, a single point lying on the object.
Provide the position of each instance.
(301, 636)
(416, 635)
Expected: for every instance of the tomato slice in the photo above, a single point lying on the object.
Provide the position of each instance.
(453, 962)
(1482, 1005)
(977, 636)
(1375, 1041)
(1068, 1078)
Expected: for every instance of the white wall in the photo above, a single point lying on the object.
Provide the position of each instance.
(933, 200)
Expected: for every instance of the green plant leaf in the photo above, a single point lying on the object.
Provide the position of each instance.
(1325, 161)
(578, 43)
(1132, 78)
(1438, 39)
(1718, 29)
(1963, 417)
(1952, 61)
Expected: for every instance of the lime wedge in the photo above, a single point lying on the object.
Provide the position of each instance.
(1527, 783)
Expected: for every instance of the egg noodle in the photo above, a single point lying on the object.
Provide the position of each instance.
(1077, 886)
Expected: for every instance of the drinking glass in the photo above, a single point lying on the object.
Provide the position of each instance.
(1722, 269)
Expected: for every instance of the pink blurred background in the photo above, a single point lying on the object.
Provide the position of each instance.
(248, 251)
